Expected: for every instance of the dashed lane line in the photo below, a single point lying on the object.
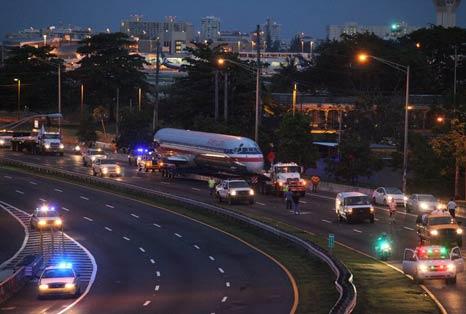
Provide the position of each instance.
(197, 247)
(87, 218)
(135, 216)
(142, 250)
(33, 183)
(221, 270)
(146, 303)
(157, 287)
(408, 228)
(357, 231)
(195, 189)
(42, 200)
(211, 258)
(126, 238)
(108, 229)
(178, 235)
(157, 225)
(84, 198)
(262, 204)
(65, 209)
(109, 206)
(227, 284)
(327, 221)
(152, 261)
(7, 177)
(19, 192)
(157, 273)
(58, 190)
(224, 299)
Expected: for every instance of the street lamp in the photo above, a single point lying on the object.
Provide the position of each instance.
(363, 58)
(18, 81)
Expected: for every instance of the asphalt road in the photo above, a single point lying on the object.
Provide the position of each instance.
(12, 234)
(149, 260)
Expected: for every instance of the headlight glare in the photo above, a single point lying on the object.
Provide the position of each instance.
(434, 232)
(69, 286)
(42, 222)
(233, 193)
(43, 287)
(451, 267)
(422, 268)
(459, 231)
(251, 192)
(62, 146)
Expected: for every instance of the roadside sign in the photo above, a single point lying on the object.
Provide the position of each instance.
(331, 241)
(36, 124)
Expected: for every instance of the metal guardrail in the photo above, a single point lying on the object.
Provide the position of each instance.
(344, 278)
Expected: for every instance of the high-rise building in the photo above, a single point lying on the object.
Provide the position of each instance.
(210, 28)
(174, 35)
(446, 12)
(271, 30)
(392, 31)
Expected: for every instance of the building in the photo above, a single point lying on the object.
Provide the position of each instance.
(272, 30)
(210, 28)
(234, 41)
(174, 35)
(387, 32)
(446, 12)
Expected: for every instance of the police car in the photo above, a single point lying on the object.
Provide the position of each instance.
(433, 262)
(135, 155)
(45, 217)
(59, 280)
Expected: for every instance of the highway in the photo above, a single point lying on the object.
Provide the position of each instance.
(12, 235)
(318, 217)
(149, 260)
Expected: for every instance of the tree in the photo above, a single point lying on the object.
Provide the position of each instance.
(135, 129)
(295, 140)
(100, 113)
(87, 131)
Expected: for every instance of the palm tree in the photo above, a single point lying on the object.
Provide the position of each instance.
(100, 113)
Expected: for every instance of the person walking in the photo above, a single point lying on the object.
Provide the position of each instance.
(315, 180)
(289, 199)
(451, 206)
(392, 210)
(211, 183)
(295, 198)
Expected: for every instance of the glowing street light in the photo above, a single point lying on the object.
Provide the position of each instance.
(18, 81)
(221, 61)
(440, 119)
(418, 45)
(363, 57)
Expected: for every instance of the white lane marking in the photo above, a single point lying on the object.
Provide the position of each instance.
(7, 177)
(224, 299)
(126, 238)
(197, 247)
(108, 229)
(58, 190)
(227, 284)
(109, 206)
(356, 230)
(157, 225)
(157, 287)
(19, 192)
(327, 221)
(65, 209)
(221, 270)
(135, 216)
(42, 200)
(322, 196)
(142, 250)
(84, 198)
(152, 261)
(303, 202)
(8, 308)
(195, 189)
(87, 218)
(146, 303)
(260, 203)
(157, 273)
(178, 235)
(33, 183)
(408, 228)
(211, 258)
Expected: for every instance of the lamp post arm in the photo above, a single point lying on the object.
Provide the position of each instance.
(391, 64)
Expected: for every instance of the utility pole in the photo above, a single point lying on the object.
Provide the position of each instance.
(155, 117)
(258, 78)
(139, 99)
(117, 114)
(405, 148)
(59, 96)
(216, 96)
(225, 99)
(82, 102)
(295, 91)
(454, 79)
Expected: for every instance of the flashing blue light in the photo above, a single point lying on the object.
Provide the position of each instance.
(140, 150)
(64, 265)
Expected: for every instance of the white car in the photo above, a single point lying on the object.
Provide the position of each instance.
(5, 138)
(106, 167)
(92, 155)
(45, 217)
(59, 280)
(234, 190)
(433, 262)
(384, 195)
(422, 203)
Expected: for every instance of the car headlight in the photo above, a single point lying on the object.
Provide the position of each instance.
(233, 193)
(58, 222)
(280, 183)
(303, 182)
(43, 287)
(61, 146)
(42, 222)
(389, 198)
(422, 268)
(2, 142)
(251, 192)
(349, 210)
(47, 146)
(69, 286)
(77, 148)
(139, 158)
(372, 209)
(434, 232)
(459, 231)
(441, 206)
(451, 267)
(93, 158)
(118, 170)
(104, 170)
(405, 198)
(423, 205)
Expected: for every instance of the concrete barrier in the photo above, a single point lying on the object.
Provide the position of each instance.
(344, 278)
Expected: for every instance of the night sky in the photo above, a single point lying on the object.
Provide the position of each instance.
(309, 16)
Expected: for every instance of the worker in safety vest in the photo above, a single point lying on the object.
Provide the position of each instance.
(315, 180)
(211, 183)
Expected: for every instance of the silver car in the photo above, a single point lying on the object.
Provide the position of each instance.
(421, 203)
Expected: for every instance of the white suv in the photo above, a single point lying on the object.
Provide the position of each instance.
(234, 190)
(353, 206)
(92, 155)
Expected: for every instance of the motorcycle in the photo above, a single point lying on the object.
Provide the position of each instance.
(383, 249)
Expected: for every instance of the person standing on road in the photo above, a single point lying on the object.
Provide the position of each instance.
(451, 206)
(295, 198)
(315, 180)
(289, 199)
(392, 210)
(211, 183)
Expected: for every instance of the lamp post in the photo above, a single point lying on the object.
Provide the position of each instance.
(82, 101)
(18, 81)
(363, 58)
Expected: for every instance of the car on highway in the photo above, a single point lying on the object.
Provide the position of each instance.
(433, 262)
(384, 195)
(59, 280)
(234, 191)
(439, 229)
(354, 206)
(149, 162)
(106, 167)
(135, 155)
(92, 154)
(45, 217)
(422, 203)
(5, 138)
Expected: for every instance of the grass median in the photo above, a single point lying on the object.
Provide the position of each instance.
(314, 279)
